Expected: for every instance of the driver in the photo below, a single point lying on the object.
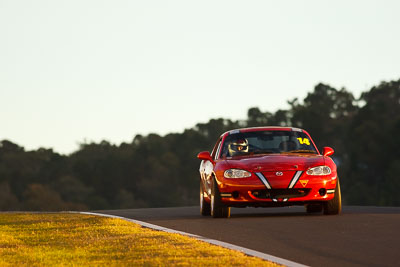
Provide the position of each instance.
(238, 147)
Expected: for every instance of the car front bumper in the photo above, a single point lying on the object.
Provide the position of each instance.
(252, 192)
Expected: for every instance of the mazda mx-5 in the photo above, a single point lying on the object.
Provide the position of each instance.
(268, 167)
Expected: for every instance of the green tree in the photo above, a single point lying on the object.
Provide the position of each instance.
(375, 147)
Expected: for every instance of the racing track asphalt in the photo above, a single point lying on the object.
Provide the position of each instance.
(360, 236)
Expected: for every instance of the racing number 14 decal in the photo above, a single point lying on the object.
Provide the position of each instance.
(304, 141)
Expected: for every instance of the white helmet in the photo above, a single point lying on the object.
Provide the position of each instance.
(239, 146)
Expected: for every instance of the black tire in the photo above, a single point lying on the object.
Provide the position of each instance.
(314, 208)
(334, 206)
(218, 209)
(205, 207)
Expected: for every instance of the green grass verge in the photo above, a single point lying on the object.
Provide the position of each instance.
(56, 239)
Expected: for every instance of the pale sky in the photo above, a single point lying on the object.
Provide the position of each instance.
(91, 70)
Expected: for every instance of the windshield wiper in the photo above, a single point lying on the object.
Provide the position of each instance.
(302, 151)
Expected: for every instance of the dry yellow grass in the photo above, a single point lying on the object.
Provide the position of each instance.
(57, 239)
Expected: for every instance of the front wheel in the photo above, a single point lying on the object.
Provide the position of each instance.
(205, 207)
(334, 206)
(218, 209)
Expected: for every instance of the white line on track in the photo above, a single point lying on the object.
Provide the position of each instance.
(246, 251)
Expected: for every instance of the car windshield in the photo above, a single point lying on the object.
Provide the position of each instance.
(264, 142)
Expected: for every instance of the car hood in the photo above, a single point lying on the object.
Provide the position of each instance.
(275, 162)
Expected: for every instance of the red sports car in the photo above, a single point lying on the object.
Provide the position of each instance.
(267, 167)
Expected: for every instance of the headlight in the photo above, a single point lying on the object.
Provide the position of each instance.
(236, 173)
(320, 170)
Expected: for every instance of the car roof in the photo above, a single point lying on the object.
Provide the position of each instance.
(263, 128)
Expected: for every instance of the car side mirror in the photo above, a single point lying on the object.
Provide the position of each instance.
(205, 155)
(327, 151)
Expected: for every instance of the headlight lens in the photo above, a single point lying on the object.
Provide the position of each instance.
(320, 170)
(236, 173)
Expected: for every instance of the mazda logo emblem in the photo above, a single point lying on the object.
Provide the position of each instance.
(279, 173)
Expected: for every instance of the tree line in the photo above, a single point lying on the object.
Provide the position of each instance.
(161, 171)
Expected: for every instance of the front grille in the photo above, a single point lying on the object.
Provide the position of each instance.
(281, 193)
